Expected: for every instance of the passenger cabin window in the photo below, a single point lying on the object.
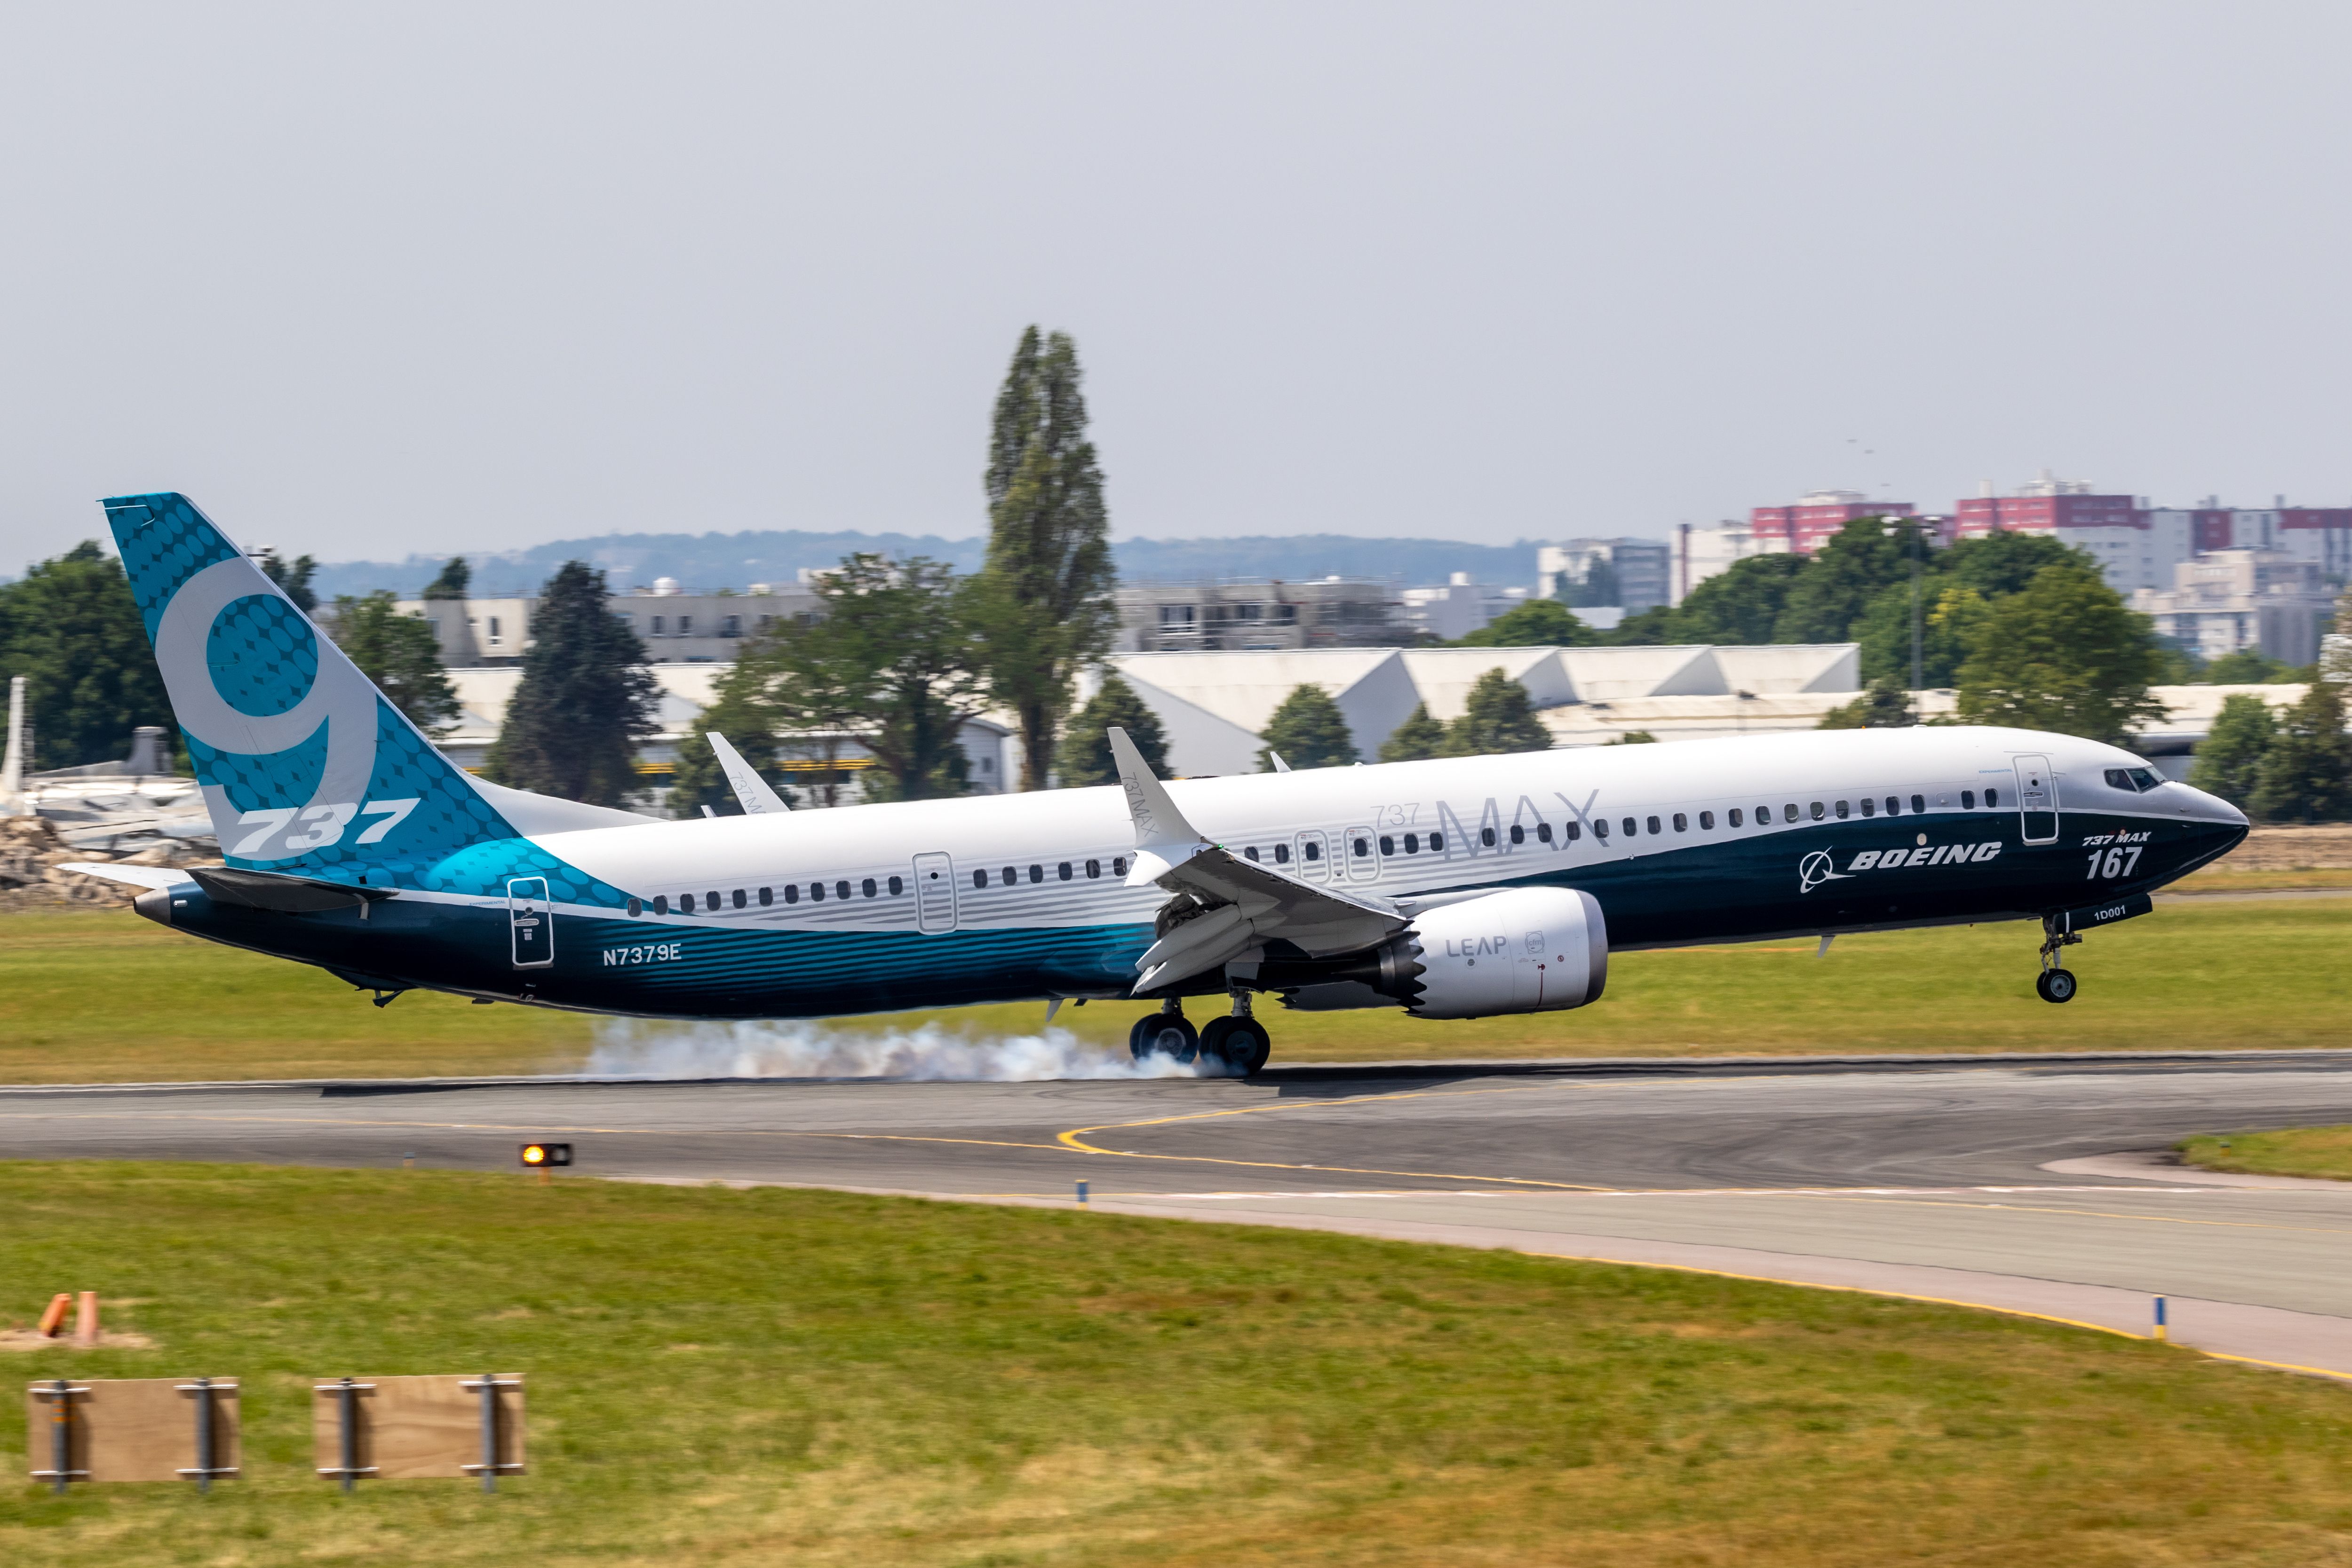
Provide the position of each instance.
(1653, 827)
(1064, 871)
(1036, 873)
(793, 890)
(1632, 827)
(1282, 854)
(1840, 810)
(841, 888)
(1967, 799)
(1518, 834)
(897, 887)
(1119, 865)
(767, 896)
(1413, 843)
(1010, 877)
(1094, 870)
(1363, 849)
(1993, 799)
(1895, 805)
(980, 879)
(1575, 831)
(1681, 823)
(1763, 815)
(1789, 812)
(867, 887)
(817, 892)
(686, 904)
(635, 909)
(740, 898)
(1313, 851)
(1436, 843)
(661, 903)
(1707, 821)
(1919, 803)
(1251, 852)
(1819, 811)
(1600, 828)
(1869, 806)
(1486, 836)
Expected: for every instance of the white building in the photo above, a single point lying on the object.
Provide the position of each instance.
(1213, 706)
(1696, 553)
(675, 626)
(2229, 600)
(1459, 608)
(1628, 572)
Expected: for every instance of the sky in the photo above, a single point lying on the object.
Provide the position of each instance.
(366, 281)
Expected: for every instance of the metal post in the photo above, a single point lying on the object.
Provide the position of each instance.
(204, 1434)
(490, 1432)
(347, 1413)
(2160, 1331)
(61, 1437)
(1082, 1192)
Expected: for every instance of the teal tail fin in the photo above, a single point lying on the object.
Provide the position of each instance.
(305, 766)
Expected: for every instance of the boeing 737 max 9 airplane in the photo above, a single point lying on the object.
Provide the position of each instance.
(1460, 888)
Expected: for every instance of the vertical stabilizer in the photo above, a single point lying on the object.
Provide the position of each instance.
(304, 765)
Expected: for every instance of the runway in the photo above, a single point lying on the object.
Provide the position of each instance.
(1927, 1177)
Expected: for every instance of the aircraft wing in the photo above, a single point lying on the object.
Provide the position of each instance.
(1223, 905)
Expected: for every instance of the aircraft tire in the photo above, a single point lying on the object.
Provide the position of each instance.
(1160, 1034)
(2055, 986)
(1247, 1046)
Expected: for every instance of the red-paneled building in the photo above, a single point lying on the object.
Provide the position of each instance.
(1981, 515)
(1809, 524)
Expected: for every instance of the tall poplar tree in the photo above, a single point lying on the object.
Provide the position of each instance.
(72, 627)
(584, 701)
(1045, 593)
(398, 653)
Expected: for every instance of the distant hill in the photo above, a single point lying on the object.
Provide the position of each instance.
(737, 560)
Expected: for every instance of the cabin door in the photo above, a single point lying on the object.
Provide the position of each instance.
(530, 923)
(1314, 857)
(935, 893)
(2037, 800)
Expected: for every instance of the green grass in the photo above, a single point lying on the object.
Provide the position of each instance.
(2324, 1152)
(89, 997)
(773, 1376)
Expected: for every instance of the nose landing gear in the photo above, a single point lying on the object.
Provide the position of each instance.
(2055, 983)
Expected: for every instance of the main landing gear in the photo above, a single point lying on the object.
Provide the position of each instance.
(1237, 1041)
(2054, 984)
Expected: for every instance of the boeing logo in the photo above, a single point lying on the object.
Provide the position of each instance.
(1821, 866)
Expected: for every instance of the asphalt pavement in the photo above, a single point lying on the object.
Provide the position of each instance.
(1927, 1177)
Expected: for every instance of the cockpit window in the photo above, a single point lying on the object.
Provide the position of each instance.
(2139, 780)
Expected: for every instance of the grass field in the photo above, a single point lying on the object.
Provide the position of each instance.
(109, 996)
(2324, 1152)
(773, 1376)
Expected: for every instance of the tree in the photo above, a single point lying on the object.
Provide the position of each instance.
(1886, 705)
(1417, 739)
(1739, 605)
(1536, 623)
(1497, 718)
(72, 628)
(2064, 655)
(453, 580)
(1598, 587)
(2230, 762)
(1861, 561)
(2246, 667)
(293, 581)
(900, 646)
(1633, 738)
(399, 655)
(2307, 775)
(742, 710)
(584, 700)
(1085, 757)
(1045, 608)
(1308, 731)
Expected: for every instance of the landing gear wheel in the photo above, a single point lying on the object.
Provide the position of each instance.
(2055, 985)
(1240, 1043)
(1163, 1034)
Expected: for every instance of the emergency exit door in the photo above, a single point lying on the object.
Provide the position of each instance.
(2037, 800)
(935, 893)
(530, 923)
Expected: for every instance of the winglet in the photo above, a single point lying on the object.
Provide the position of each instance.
(1279, 765)
(1163, 839)
(751, 792)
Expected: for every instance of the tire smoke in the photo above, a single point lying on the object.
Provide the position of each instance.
(926, 1054)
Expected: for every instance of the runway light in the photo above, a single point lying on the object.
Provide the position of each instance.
(540, 1156)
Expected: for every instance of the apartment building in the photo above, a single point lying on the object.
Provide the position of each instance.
(2226, 602)
(675, 626)
(1260, 614)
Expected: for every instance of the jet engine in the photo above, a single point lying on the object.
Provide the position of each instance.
(1526, 950)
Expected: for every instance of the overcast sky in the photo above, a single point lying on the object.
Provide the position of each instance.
(369, 280)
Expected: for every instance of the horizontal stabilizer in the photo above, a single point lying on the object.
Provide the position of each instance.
(147, 876)
(281, 893)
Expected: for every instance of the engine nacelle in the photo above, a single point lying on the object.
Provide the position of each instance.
(1528, 951)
